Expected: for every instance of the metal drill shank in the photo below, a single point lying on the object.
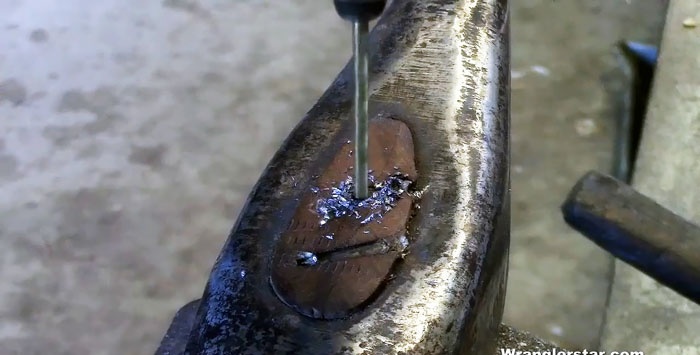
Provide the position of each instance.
(441, 67)
(360, 31)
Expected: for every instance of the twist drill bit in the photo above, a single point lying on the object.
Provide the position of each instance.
(359, 34)
(360, 13)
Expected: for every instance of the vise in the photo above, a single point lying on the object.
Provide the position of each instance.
(439, 86)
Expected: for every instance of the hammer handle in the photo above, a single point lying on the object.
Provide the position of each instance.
(637, 230)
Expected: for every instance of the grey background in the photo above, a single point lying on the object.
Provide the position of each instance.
(132, 131)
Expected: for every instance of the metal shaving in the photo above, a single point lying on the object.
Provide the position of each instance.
(383, 197)
(307, 258)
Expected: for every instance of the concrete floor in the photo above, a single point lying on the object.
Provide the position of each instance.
(565, 74)
(133, 131)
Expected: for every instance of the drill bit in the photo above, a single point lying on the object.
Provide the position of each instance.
(360, 30)
(360, 13)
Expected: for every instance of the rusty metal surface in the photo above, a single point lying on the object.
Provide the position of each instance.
(637, 230)
(330, 289)
(443, 67)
